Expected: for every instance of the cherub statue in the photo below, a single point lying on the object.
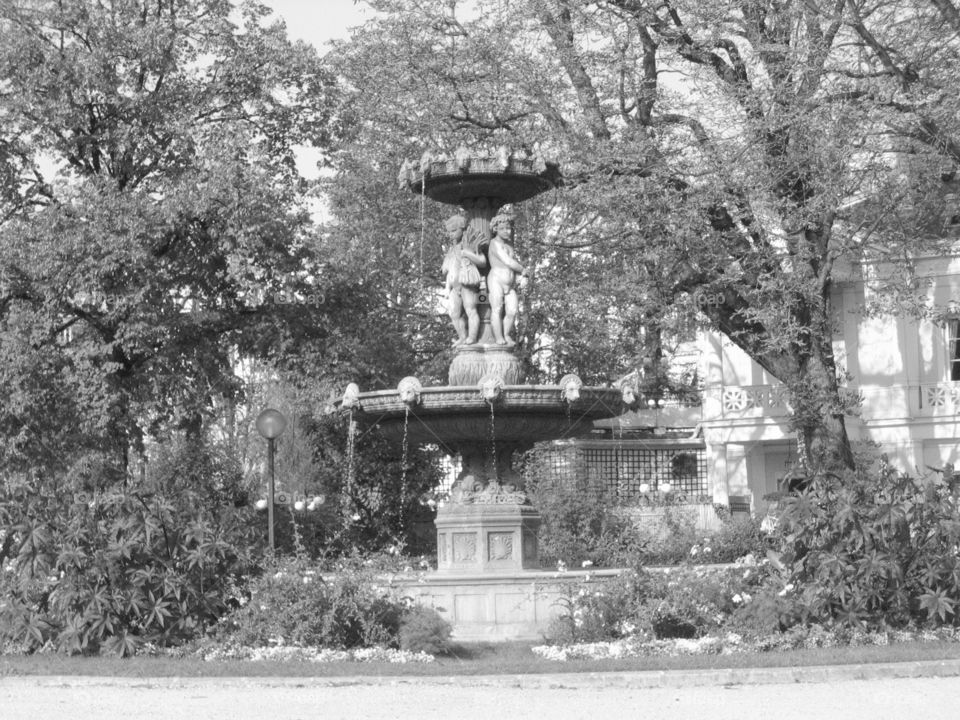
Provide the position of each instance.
(502, 279)
(461, 268)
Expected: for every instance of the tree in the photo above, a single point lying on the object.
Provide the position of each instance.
(719, 149)
(153, 225)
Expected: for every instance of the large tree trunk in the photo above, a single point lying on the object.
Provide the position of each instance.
(819, 414)
(807, 367)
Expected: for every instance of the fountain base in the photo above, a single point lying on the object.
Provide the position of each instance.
(503, 606)
(480, 538)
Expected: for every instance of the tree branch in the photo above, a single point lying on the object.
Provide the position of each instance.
(560, 30)
(949, 12)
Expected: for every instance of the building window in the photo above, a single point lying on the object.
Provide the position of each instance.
(953, 349)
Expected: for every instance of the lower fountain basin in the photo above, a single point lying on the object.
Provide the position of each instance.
(453, 416)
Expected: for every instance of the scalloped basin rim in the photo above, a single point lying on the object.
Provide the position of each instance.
(458, 417)
(511, 397)
(473, 388)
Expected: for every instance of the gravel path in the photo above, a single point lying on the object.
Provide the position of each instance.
(33, 698)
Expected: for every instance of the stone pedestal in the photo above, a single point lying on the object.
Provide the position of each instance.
(481, 538)
(473, 362)
(485, 357)
(497, 607)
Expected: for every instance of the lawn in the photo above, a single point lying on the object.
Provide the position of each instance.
(513, 658)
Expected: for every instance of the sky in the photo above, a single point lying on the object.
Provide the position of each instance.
(318, 21)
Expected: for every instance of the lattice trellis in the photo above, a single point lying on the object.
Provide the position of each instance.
(624, 468)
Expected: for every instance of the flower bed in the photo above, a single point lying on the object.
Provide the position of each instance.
(815, 636)
(287, 653)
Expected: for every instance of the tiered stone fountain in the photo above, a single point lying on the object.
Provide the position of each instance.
(487, 530)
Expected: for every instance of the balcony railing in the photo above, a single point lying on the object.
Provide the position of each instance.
(899, 401)
(753, 400)
(938, 398)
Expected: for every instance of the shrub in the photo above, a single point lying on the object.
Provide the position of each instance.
(423, 629)
(594, 611)
(582, 520)
(872, 549)
(578, 517)
(292, 603)
(688, 602)
(669, 539)
(101, 569)
(682, 602)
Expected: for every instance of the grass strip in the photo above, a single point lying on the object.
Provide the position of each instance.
(512, 658)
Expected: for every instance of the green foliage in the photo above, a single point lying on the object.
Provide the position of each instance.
(687, 602)
(679, 602)
(292, 603)
(90, 570)
(423, 629)
(578, 522)
(872, 549)
(375, 496)
(866, 552)
(593, 611)
(154, 226)
(582, 521)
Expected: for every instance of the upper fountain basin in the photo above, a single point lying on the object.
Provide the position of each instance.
(453, 416)
(512, 181)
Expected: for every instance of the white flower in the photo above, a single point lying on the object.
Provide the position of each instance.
(694, 551)
(586, 563)
(737, 599)
(666, 487)
(707, 550)
(355, 517)
(644, 488)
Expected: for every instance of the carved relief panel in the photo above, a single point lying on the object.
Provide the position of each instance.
(500, 546)
(464, 547)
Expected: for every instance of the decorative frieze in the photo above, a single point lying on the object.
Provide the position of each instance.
(743, 398)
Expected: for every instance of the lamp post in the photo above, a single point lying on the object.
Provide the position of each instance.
(655, 405)
(271, 424)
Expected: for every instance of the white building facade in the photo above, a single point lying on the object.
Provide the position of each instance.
(906, 372)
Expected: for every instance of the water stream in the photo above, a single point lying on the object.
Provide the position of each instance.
(351, 463)
(621, 490)
(493, 445)
(404, 457)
